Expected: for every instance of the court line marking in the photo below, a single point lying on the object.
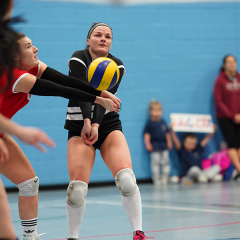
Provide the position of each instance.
(175, 208)
(207, 210)
(158, 231)
(139, 2)
(168, 207)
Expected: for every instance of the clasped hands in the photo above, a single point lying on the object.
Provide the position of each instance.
(89, 132)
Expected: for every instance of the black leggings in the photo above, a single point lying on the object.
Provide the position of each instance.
(230, 131)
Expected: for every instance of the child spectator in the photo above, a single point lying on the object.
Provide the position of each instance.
(190, 153)
(158, 141)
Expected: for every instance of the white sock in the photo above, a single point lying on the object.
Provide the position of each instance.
(29, 226)
(133, 207)
(74, 217)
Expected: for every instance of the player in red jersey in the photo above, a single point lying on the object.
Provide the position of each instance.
(34, 77)
(7, 38)
(31, 136)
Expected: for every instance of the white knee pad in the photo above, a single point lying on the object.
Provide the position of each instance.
(29, 188)
(76, 193)
(126, 182)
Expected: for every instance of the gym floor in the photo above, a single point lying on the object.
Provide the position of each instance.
(200, 211)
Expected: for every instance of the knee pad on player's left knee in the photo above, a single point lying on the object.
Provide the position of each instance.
(29, 188)
(126, 182)
(76, 193)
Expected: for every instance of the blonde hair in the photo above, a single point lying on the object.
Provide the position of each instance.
(154, 103)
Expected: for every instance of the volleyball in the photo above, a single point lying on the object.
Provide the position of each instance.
(103, 73)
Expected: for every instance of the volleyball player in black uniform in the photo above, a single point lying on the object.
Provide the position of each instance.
(91, 127)
(78, 111)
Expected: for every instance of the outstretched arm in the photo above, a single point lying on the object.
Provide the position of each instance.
(52, 75)
(175, 139)
(29, 135)
(206, 140)
(30, 84)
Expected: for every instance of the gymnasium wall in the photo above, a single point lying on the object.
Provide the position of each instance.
(172, 53)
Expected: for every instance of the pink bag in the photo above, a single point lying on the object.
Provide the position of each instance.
(220, 158)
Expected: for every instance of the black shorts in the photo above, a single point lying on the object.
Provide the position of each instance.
(110, 123)
(230, 131)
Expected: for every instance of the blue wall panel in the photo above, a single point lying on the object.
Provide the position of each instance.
(172, 52)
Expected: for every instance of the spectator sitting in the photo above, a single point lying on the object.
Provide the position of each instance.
(190, 153)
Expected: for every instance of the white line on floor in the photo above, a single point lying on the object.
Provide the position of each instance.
(167, 207)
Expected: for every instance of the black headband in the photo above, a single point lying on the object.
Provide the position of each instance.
(95, 26)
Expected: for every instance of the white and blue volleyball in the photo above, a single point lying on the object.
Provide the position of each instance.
(103, 73)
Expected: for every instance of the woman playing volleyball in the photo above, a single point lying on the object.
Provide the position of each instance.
(91, 127)
(28, 135)
(30, 76)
